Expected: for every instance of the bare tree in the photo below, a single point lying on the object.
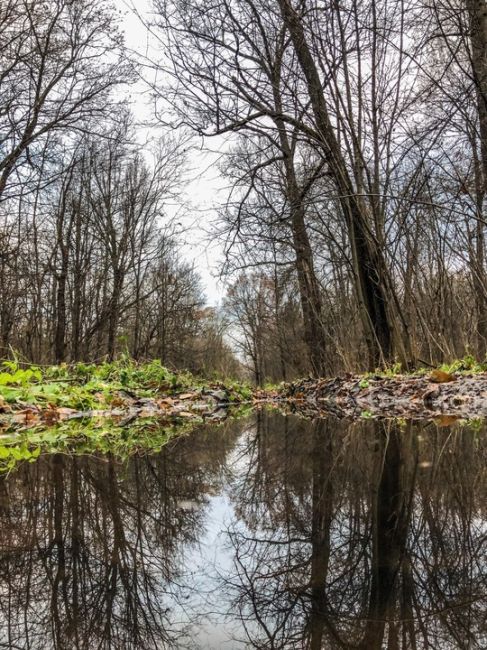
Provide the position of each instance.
(59, 60)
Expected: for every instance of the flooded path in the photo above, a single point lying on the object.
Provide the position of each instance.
(269, 532)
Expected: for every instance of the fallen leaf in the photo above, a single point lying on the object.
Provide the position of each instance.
(118, 402)
(27, 415)
(441, 377)
(50, 415)
(165, 403)
(65, 411)
(430, 395)
(446, 420)
(4, 407)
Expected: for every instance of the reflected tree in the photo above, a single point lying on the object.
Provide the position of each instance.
(92, 550)
(361, 536)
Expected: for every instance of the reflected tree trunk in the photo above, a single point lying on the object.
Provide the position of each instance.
(322, 499)
(390, 520)
(59, 577)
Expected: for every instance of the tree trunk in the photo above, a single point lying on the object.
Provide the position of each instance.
(60, 333)
(322, 517)
(114, 315)
(369, 260)
(309, 288)
(477, 11)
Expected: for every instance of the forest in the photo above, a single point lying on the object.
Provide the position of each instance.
(352, 156)
(243, 324)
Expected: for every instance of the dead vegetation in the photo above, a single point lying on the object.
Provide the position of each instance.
(434, 395)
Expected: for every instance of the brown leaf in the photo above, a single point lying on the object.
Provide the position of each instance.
(441, 377)
(25, 417)
(50, 415)
(446, 420)
(166, 402)
(4, 407)
(186, 414)
(118, 402)
(64, 410)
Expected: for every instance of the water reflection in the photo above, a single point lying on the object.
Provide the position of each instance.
(90, 549)
(368, 536)
(270, 533)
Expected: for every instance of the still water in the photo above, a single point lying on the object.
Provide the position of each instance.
(269, 532)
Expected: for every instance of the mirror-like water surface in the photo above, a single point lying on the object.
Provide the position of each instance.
(271, 532)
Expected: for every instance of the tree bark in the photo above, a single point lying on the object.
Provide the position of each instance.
(477, 12)
(113, 317)
(369, 260)
(309, 288)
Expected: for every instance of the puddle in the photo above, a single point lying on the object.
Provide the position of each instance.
(266, 532)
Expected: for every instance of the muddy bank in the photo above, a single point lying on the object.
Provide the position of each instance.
(422, 396)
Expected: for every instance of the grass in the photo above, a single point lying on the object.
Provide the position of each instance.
(91, 387)
(467, 365)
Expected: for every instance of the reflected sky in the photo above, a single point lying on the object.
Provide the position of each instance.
(270, 532)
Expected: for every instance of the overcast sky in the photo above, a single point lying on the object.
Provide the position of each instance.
(204, 186)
